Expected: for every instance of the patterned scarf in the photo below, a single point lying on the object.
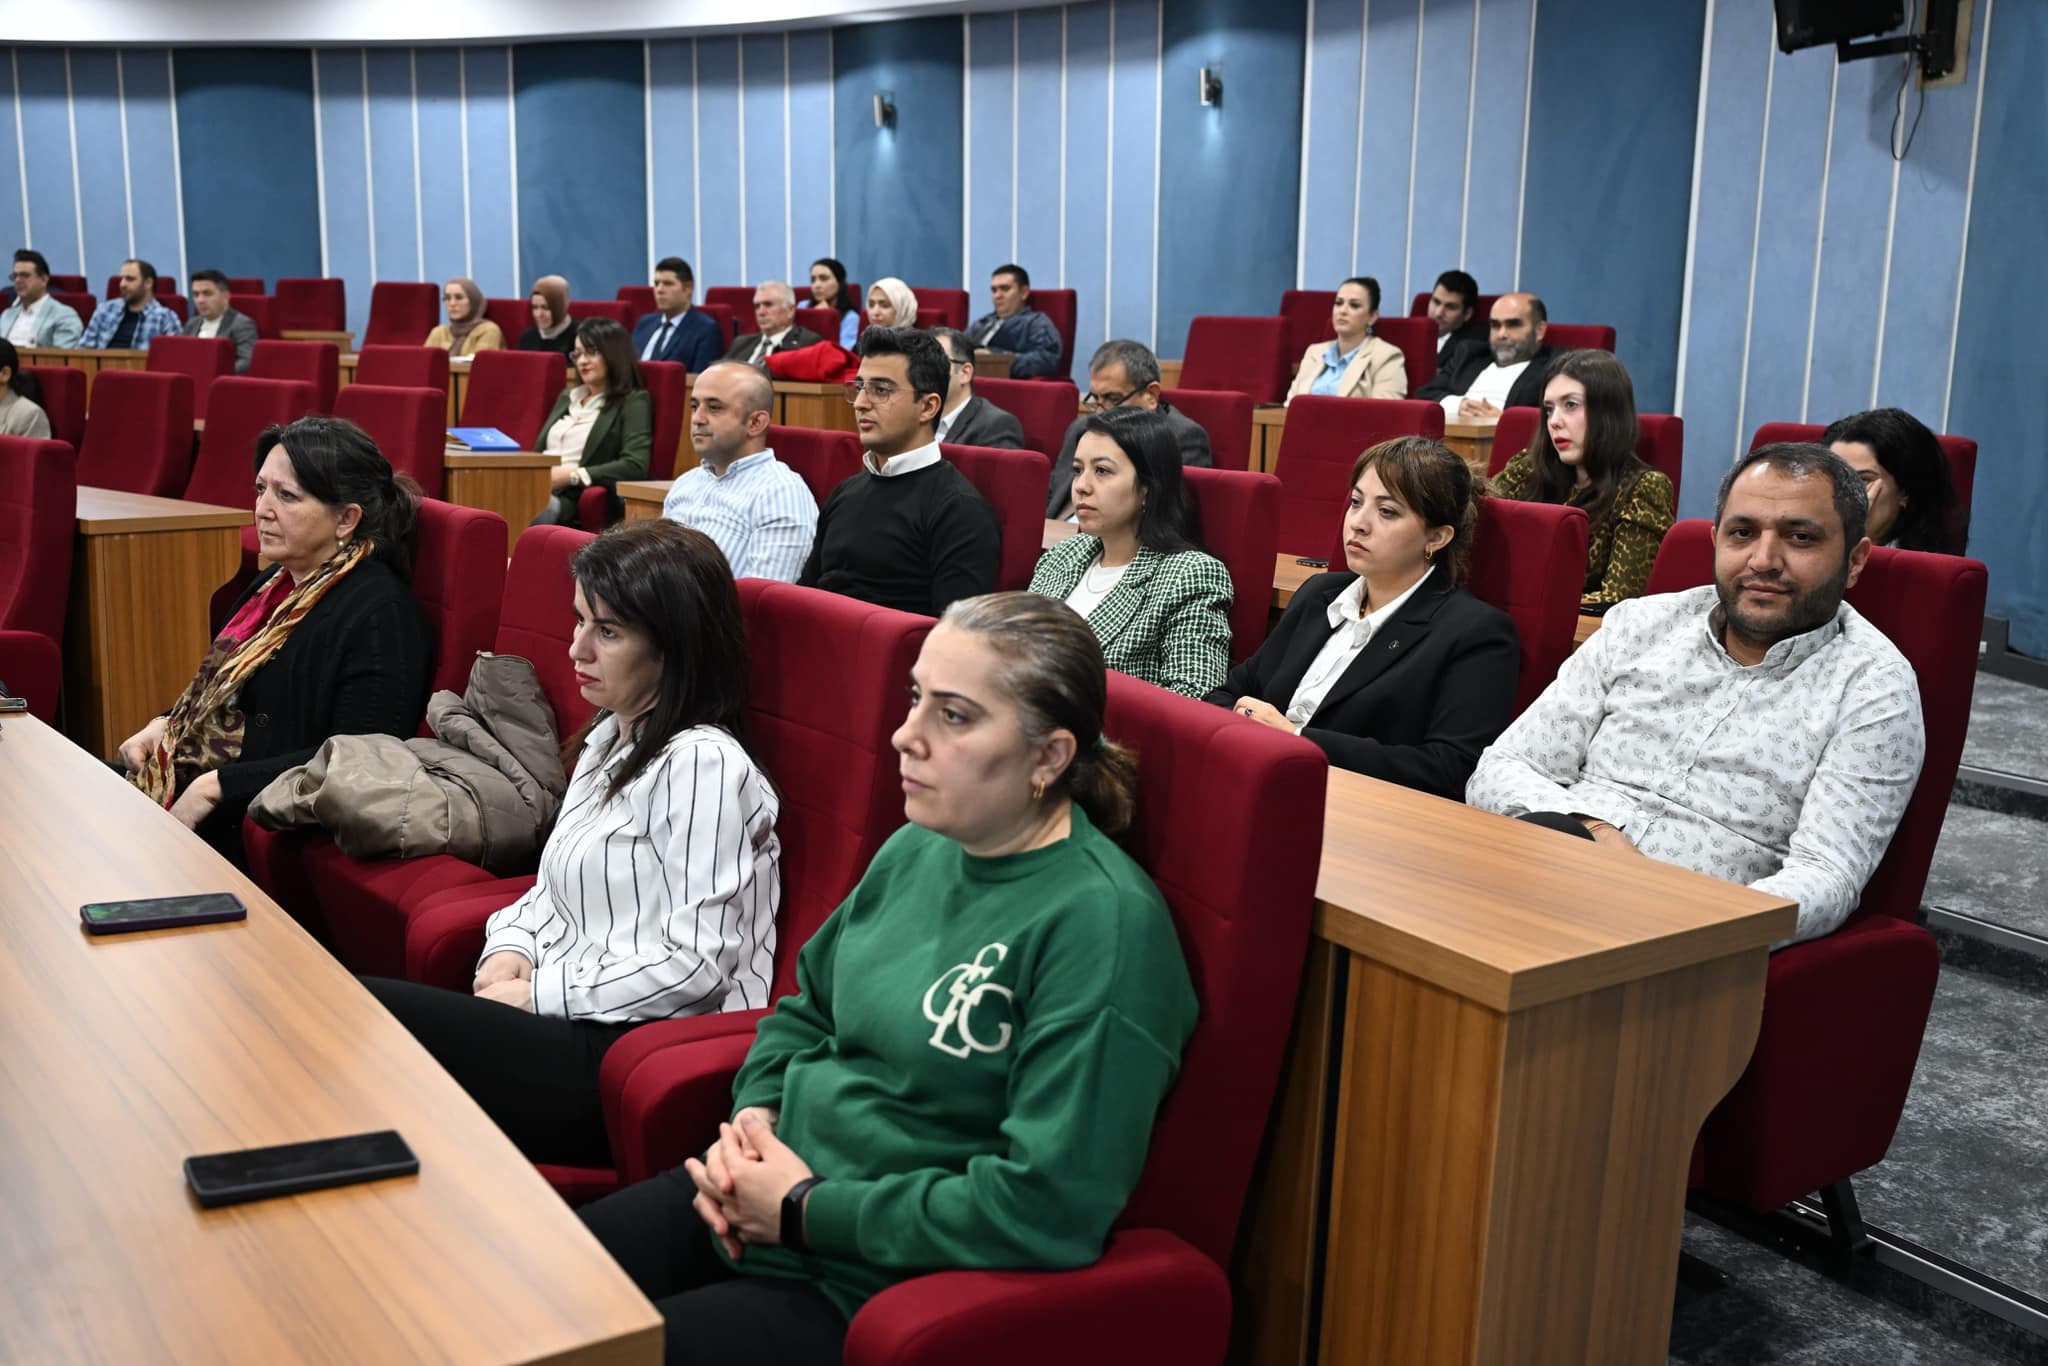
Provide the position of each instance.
(203, 730)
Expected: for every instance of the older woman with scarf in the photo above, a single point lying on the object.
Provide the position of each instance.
(467, 330)
(553, 329)
(328, 641)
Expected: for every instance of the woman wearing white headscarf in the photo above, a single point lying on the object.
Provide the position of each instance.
(891, 304)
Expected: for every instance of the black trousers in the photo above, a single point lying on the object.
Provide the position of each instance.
(712, 1314)
(1559, 821)
(534, 1075)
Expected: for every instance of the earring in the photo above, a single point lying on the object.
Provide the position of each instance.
(1038, 792)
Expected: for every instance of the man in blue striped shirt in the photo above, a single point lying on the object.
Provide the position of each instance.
(757, 509)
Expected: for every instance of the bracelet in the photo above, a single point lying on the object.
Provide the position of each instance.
(793, 1215)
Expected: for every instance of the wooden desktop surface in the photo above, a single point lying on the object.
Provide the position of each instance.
(125, 1055)
(89, 360)
(643, 497)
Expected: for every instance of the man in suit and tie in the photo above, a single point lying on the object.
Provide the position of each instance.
(675, 331)
(1123, 374)
(969, 419)
(1476, 383)
(34, 318)
(211, 316)
(775, 326)
(1017, 327)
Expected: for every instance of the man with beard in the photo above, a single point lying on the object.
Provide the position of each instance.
(1759, 730)
(1475, 380)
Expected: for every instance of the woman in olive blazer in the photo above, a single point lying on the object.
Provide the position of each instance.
(602, 426)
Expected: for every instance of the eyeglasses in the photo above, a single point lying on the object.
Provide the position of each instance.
(880, 390)
(1094, 402)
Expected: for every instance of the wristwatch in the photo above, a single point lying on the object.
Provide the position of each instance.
(793, 1215)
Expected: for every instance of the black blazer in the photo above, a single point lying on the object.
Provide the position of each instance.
(743, 346)
(359, 664)
(981, 423)
(1434, 687)
(1463, 361)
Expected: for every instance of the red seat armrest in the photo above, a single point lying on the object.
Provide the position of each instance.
(668, 1085)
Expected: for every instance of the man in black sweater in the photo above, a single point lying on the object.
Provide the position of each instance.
(908, 532)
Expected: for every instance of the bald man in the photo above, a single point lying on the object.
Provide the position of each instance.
(758, 510)
(1475, 384)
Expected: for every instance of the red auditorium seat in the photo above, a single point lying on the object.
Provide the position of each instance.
(409, 425)
(260, 309)
(738, 298)
(1660, 441)
(823, 321)
(246, 284)
(1578, 337)
(204, 359)
(1322, 439)
(314, 363)
(1960, 450)
(402, 312)
(1419, 306)
(1016, 484)
(938, 307)
(1044, 408)
(584, 309)
(512, 391)
(32, 667)
(38, 515)
(176, 303)
(513, 317)
(1247, 354)
(241, 409)
(1210, 790)
(1240, 519)
(1063, 307)
(638, 299)
(727, 320)
(69, 284)
(63, 399)
(823, 460)
(81, 303)
(668, 385)
(138, 435)
(165, 284)
(1306, 312)
(1225, 414)
(1529, 560)
(311, 305)
(1417, 339)
(403, 367)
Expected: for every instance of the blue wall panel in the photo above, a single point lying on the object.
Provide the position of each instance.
(46, 146)
(1329, 189)
(343, 154)
(762, 181)
(675, 153)
(1384, 153)
(990, 210)
(900, 187)
(396, 238)
(103, 186)
(246, 117)
(718, 147)
(1134, 146)
(152, 161)
(1041, 189)
(1087, 179)
(1436, 209)
(487, 82)
(1494, 177)
(13, 213)
(810, 150)
(1844, 353)
(443, 232)
(582, 200)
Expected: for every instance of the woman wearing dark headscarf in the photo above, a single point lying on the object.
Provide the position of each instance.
(553, 329)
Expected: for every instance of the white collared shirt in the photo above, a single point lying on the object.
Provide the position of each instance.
(1351, 630)
(906, 463)
(946, 419)
(23, 332)
(210, 327)
(1491, 384)
(768, 343)
(1443, 339)
(571, 431)
(663, 330)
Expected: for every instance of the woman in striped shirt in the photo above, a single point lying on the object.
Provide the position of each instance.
(659, 884)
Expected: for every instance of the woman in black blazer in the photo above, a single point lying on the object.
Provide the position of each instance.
(328, 641)
(1391, 666)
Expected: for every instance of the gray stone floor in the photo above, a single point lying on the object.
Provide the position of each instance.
(2008, 727)
(1993, 866)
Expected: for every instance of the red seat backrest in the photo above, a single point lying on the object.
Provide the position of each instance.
(316, 363)
(410, 425)
(1225, 414)
(940, 307)
(1248, 354)
(824, 460)
(1529, 560)
(138, 435)
(668, 385)
(205, 359)
(260, 309)
(63, 399)
(512, 391)
(246, 284)
(1417, 339)
(580, 309)
(823, 321)
(1578, 337)
(176, 303)
(402, 312)
(241, 409)
(827, 750)
(1044, 408)
(638, 299)
(81, 303)
(513, 317)
(1685, 558)
(404, 367)
(1016, 484)
(1418, 307)
(458, 577)
(1230, 826)
(1511, 436)
(727, 320)
(1323, 438)
(1306, 313)
(311, 304)
(738, 298)
(1063, 307)
(38, 522)
(1240, 520)
(538, 616)
(69, 284)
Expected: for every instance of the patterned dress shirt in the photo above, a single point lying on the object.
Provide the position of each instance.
(760, 513)
(156, 321)
(1789, 775)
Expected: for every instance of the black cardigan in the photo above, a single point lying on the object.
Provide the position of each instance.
(359, 664)
(1435, 686)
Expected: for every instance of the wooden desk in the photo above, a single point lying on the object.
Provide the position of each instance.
(993, 364)
(91, 361)
(1587, 626)
(345, 340)
(513, 484)
(1289, 573)
(823, 407)
(143, 575)
(1513, 1038)
(1169, 373)
(126, 1055)
(1473, 440)
(643, 498)
(1267, 421)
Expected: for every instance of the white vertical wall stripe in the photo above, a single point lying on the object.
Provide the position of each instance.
(370, 169)
(1884, 287)
(1756, 235)
(419, 218)
(1820, 235)
(696, 169)
(1471, 112)
(512, 141)
(127, 180)
(1158, 154)
(647, 138)
(739, 90)
(320, 159)
(1308, 92)
(1357, 147)
(1108, 178)
(1692, 215)
(77, 200)
(1969, 193)
(967, 148)
(177, 163)
(462, 111)
(1528, 103)
(1414, 138)
(21, 143)
(831, 147)
(788, 250)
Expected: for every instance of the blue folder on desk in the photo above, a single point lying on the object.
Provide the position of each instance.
(487, 440)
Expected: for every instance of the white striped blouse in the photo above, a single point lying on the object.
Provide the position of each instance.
(661, 901)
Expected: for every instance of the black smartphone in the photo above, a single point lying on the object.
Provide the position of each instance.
(161, 912)
(9, 702)
(293, 1168)
(1313, 564)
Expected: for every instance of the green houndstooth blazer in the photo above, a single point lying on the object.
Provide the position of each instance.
(1167, 621)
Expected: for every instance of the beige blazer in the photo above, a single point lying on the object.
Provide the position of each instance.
(485, 336)
(1378, 370)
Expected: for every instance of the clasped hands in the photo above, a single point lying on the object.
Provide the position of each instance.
(741, 1180)
(1476, 410)
(507, 978)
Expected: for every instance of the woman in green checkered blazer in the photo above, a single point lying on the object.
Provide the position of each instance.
(1158, 603)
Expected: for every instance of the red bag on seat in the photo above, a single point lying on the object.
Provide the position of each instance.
(824, 362)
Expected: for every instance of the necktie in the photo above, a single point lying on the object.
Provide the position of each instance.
(660, 340)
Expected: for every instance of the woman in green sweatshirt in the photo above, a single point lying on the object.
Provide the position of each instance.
(981, 1036)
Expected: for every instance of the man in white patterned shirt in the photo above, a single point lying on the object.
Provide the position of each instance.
(758, 510)
(1759, 730)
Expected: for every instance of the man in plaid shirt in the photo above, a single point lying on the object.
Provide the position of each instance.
(135, 319)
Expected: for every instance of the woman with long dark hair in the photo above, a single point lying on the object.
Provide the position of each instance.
(828, 290)
(601, 429)
(659, 883)
(1905, 476)
(21, 411)
(1584, 456)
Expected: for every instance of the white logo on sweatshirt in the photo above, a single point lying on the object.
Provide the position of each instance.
(964, 986)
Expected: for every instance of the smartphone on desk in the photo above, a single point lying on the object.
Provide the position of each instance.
(294, 1168)
(9, 702)
(161, 912)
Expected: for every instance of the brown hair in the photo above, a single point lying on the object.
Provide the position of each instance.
(1610, 434)
(1432, 481)
(1052, 669)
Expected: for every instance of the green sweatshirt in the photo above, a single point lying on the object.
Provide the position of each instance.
(973, 1060)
